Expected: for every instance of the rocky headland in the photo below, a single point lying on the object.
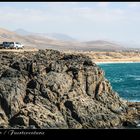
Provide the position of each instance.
(48, 89)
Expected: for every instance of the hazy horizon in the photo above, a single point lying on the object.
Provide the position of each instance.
(112, 21)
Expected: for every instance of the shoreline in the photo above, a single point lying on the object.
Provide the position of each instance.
(115, 62)
(134, 101)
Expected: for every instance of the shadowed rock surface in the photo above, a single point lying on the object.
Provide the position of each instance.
(49, 89)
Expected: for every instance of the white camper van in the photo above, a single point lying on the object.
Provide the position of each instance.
(12, 45)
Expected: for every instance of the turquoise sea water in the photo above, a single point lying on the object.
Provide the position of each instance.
(124, 78)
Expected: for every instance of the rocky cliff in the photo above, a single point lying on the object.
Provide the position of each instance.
(49, 89)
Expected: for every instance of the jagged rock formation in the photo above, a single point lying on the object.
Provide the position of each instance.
(49, 89)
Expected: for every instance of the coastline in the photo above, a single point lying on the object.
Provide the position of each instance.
(134, 101)
(112, 62)
(120, 62)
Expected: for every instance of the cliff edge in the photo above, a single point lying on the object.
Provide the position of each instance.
(50, 89)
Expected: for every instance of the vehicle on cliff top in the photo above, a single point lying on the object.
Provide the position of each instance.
(12, 45)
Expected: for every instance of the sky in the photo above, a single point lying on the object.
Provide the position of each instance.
(116, 21)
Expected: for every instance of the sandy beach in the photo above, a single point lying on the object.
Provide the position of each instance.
(112, 57)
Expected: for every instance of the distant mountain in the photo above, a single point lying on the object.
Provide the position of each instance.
(101, 44)
(63, 37)
(22, 32)
(42, 41)
(57, 36)
(35, 41)
(98, 42)
(7, 35)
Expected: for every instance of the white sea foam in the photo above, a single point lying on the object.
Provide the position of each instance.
(114, 62)
(133, 76)
(118, 80)
(135, 100)
(137, 79)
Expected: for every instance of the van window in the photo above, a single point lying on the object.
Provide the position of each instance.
(5, 42)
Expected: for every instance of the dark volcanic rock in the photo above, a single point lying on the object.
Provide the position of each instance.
(49, 89)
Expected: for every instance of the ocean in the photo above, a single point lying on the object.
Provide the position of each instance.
(124, 78)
